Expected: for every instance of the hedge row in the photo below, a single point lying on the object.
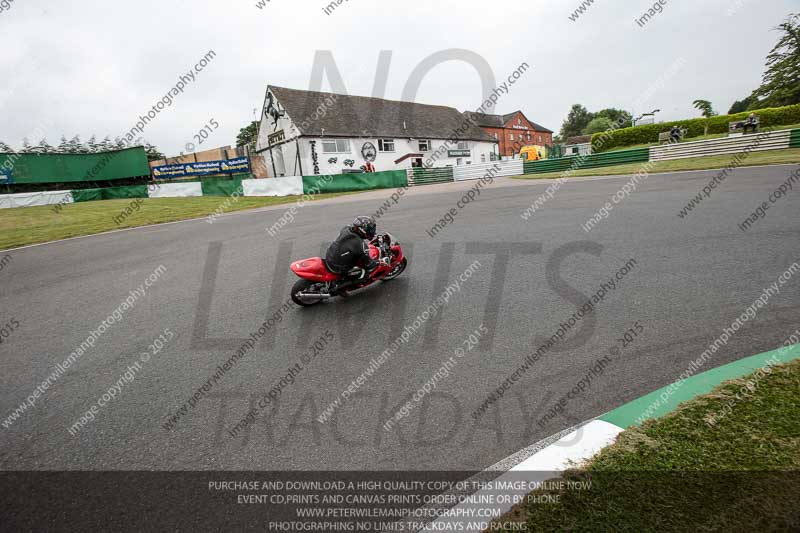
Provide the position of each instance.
(774, 116)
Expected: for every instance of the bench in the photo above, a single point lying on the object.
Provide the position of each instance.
(734, 127)
(665, 137)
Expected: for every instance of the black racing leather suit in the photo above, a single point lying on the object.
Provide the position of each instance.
(347, 252)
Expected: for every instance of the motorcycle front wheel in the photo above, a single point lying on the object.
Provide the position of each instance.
(396, 271)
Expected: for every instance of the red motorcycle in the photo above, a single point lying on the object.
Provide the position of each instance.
(318, 283)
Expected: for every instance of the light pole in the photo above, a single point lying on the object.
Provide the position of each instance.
(651, 114)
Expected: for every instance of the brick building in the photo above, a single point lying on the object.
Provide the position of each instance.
(512, 131)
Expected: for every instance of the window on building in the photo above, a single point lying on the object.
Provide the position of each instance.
(463, 145)
(495, 135)
(336, 146)
(425, 146)
(483, 158)
(529, 137)
(512, 136)
(386, 145)
(540, 139)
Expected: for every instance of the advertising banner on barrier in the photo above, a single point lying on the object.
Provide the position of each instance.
(202, 168)
(6, 177)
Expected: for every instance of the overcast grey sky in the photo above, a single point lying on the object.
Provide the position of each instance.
(95, 66)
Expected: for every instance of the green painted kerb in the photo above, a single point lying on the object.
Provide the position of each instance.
(662, 402)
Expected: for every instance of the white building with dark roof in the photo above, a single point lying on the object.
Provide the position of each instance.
(308, 133)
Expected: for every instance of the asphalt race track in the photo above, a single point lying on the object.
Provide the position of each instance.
(692, 278)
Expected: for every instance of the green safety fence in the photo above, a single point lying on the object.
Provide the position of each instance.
(87, 195)
(110, 193)
(219, 187)
(355, 182)
(605, 159)
(428, 176)
(121, 193)
(794, 140)
(65, 168)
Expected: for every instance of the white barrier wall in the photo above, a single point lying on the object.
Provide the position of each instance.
(513, 167)
(30, 199)
(292, 186)
(176, 190)
(754, 142)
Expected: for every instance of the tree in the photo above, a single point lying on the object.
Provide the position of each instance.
(248, 135)
(152, 152)
(26, 146)
(780, 85)
(5, 149)
(619, 117)
(119, 144)
(106, 145)
(44, 148)
(63, 146)
(577, 119)
(740, 106)
(597, 125)
(706, 109)
(75, 146)
(91, 145)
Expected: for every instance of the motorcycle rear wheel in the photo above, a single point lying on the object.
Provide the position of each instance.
(302, 286)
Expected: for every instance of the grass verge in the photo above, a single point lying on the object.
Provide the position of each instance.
(684, 473)
(772, 157)
(32, 225)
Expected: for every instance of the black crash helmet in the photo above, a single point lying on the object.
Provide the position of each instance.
(365, 227)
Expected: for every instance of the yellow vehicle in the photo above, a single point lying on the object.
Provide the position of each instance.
(533, 153)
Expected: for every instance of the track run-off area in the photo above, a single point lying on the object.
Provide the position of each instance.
(202, 365)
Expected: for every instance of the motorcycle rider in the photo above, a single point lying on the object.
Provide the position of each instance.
(351, 250)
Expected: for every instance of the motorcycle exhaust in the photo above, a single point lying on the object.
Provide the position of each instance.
(312, 298)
